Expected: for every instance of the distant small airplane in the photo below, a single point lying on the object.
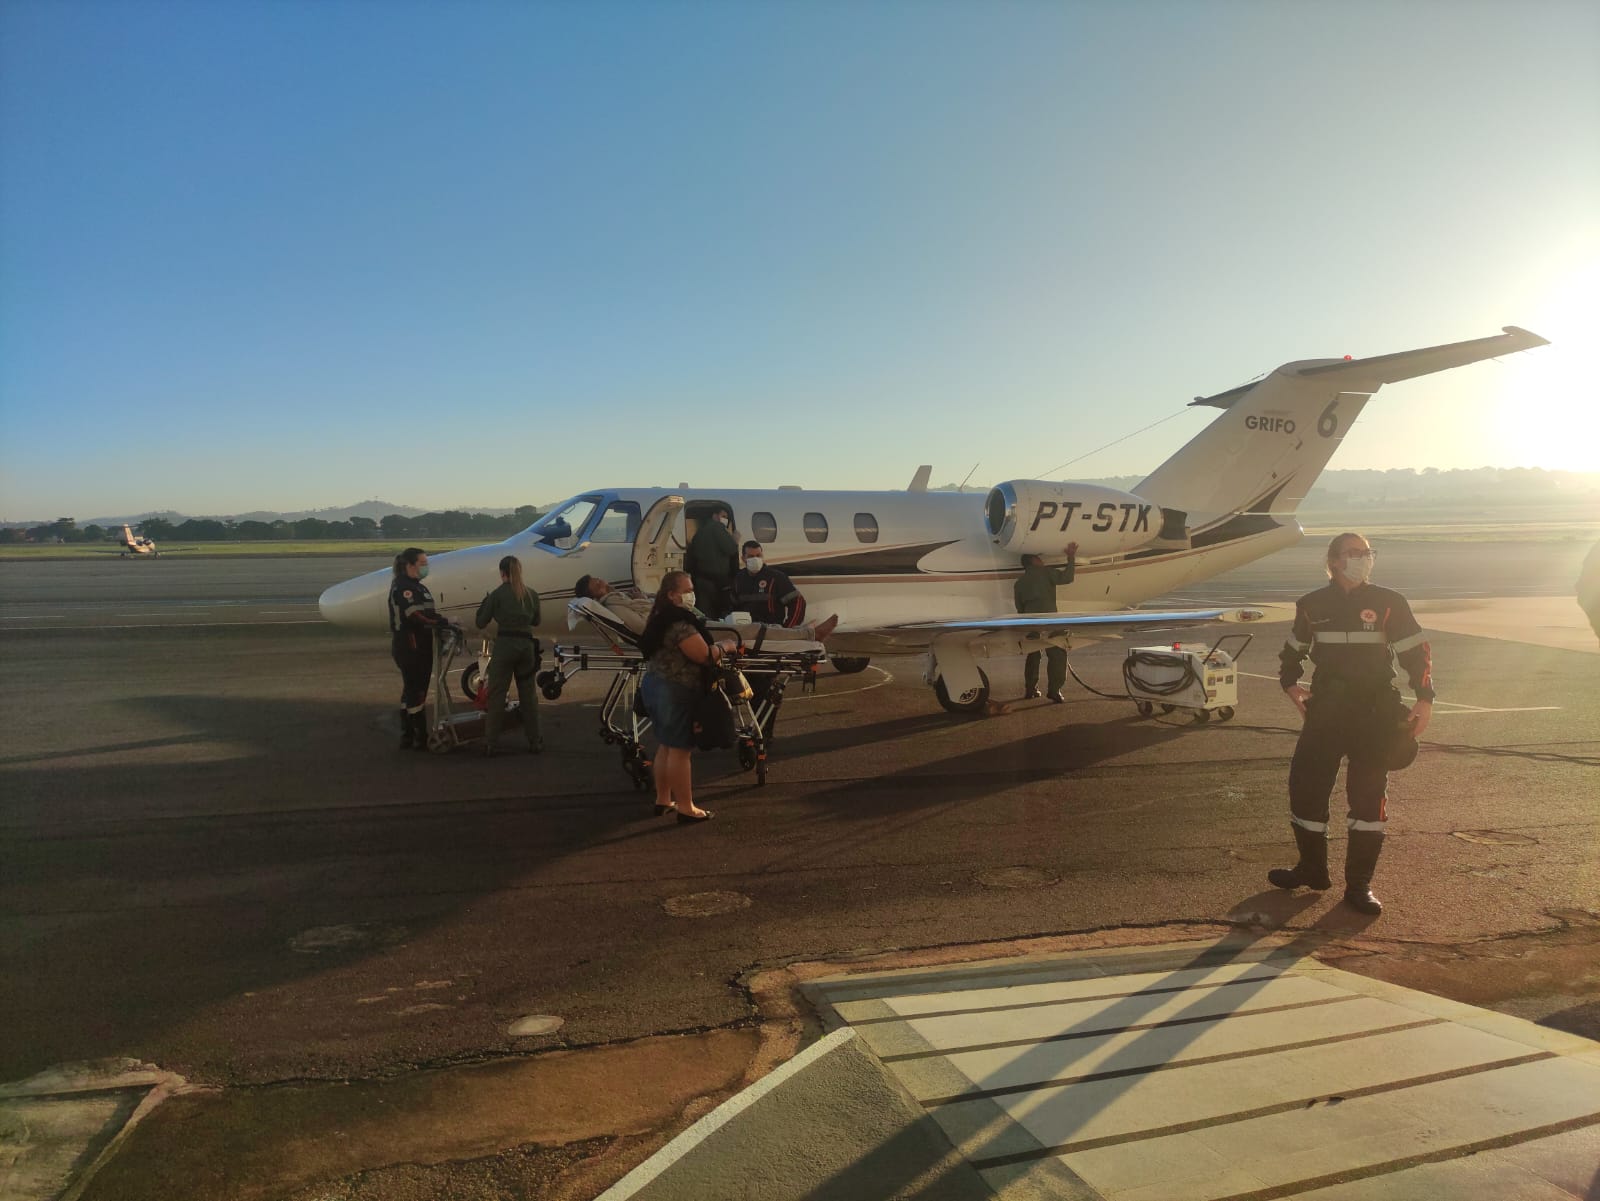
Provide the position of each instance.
(919, 571)
(133, 544)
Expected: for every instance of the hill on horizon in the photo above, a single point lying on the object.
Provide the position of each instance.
(1352, 487)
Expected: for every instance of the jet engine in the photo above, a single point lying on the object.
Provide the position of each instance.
(1039, 517)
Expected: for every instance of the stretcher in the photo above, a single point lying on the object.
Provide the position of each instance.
(449, 728)
(772, 665)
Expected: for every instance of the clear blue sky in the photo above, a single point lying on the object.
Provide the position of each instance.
(296, 254)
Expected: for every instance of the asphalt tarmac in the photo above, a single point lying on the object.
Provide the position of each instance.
(213, 859)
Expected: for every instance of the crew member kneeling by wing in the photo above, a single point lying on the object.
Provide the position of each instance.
(1353, 631)
(514, 609)
(412, 623)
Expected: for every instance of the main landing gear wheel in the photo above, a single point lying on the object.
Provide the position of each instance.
(971, 701)
(469, 682)
(848, 665)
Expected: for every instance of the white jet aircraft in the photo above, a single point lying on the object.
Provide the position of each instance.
(132, 544)
(920, 571)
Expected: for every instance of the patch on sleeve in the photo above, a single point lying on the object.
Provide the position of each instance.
(406, 593)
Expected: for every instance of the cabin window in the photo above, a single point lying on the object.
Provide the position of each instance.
(763, 527)
(866, 527)
(816, 527)
(620, 523)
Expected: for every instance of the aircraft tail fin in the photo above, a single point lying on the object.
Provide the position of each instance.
(1263, 454)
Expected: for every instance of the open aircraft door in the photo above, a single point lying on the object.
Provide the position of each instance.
(656, 549)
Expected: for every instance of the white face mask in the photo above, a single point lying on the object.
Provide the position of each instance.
(1356, 569)
(687, 600)
(754, 564)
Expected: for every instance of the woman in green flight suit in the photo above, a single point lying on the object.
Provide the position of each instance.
(514, 608)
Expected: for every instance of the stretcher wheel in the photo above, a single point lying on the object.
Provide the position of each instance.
(469, 682)
(1144, 708)
(1225, 713)
(1201, 716)
(549, 684)
(761, 771)
(747, 755)
(1165, 709)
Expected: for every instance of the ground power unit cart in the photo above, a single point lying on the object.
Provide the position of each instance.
(1189, 676)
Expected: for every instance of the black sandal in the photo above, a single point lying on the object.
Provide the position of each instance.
(689, 819)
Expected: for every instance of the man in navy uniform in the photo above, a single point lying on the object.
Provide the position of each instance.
(1354, 632)
(764, 592)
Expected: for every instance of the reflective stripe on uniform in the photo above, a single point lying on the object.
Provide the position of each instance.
(1314, 827)
(1355, 824)
(1295, 645)
(1406, 644)
(1373, 636)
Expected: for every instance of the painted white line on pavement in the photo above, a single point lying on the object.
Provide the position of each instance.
(1456, 707)
(830, 695)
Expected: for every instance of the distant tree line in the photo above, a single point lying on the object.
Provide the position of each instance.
(62, 529)
(451, 524)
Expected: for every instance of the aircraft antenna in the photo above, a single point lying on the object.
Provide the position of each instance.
(1108, 445)
(962, 486)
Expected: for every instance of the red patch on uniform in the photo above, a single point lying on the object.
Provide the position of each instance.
(405, 594)
(1368, 616)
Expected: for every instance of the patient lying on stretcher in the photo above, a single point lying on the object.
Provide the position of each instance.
(633, 610)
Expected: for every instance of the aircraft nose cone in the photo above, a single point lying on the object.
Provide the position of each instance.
(361, 603)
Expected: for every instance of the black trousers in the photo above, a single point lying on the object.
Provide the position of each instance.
(413, 655)
(1354, 730)
(1057, 675)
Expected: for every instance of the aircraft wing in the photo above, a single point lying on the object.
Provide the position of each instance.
(903, 637)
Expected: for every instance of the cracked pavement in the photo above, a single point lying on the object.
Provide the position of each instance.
(212, 861)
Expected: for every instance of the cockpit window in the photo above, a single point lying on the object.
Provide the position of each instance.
(559, 530)
(620, 523)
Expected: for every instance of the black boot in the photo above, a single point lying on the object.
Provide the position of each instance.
(419, 730)
(1312, 870)
(406, 736)
(1360, 861)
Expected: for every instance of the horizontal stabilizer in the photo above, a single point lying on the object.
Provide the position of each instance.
(1369, 374)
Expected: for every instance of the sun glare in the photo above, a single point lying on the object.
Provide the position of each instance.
(1550, 399)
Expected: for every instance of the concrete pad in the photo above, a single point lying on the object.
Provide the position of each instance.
(1307, 1082)
(830, 1123)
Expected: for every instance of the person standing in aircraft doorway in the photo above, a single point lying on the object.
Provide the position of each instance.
(1035, 592)
(413, 622)
(711, 561)
(514, 609)
(1355, 633)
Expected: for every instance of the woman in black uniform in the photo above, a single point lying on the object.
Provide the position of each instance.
(412, 622)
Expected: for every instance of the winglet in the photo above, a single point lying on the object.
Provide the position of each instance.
(919, 482)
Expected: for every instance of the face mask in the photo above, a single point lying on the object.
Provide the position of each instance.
(687, 600)
(753, 565)
(422, 572)
(1356, 570)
